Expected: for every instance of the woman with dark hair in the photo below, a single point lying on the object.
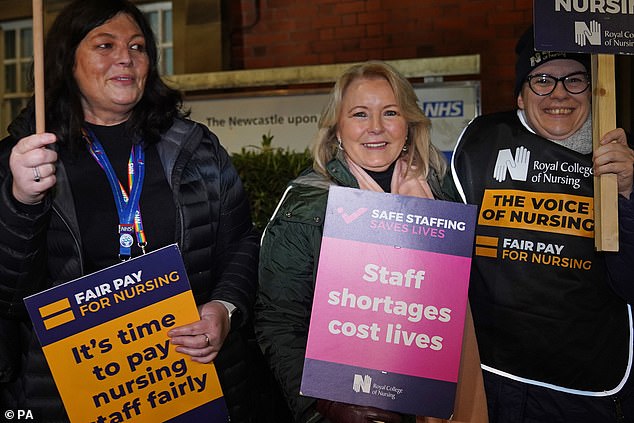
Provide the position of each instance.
(106, 105)
(155, 110)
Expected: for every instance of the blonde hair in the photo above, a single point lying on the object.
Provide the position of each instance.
(421, 152)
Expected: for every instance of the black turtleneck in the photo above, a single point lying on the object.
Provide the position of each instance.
(384, 178)
(95, 205)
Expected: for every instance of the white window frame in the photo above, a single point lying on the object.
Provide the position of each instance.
(161, 44)
(23, 93)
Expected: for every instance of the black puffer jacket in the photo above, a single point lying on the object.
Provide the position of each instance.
(41, 249)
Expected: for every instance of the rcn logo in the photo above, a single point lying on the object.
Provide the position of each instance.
(516, 166)
(438, 109)
(362, 383)
(591, 34)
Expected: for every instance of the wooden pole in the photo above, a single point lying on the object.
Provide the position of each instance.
(38, 66)
(606, 226)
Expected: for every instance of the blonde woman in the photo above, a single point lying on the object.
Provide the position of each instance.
(374, 136)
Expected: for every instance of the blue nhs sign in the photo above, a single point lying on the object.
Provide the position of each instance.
(441, 109)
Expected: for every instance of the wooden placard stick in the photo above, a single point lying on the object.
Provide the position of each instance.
(606, 223)
(38, 66)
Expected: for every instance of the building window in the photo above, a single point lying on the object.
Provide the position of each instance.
(17, 64)
(160, 17)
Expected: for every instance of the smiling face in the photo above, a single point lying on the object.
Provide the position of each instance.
(370, 125)
(560, 114)
(111, 66)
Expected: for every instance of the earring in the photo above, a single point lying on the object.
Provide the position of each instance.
(405, 146)
(340, 146)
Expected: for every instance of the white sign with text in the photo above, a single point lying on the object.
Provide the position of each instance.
(291, 119)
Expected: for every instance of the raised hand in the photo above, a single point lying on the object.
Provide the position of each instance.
(614, 156)
(33, 167)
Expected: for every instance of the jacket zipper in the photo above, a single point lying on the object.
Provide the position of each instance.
(79, 252)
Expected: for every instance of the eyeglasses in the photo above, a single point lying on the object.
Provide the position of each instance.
(544, 84)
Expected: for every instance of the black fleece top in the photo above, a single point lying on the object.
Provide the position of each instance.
(95, 205)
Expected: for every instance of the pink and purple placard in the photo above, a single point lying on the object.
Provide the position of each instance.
(390, 301)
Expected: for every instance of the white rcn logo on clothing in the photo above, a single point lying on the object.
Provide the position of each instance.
(517, 167)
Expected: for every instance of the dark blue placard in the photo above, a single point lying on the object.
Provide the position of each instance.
(427, 224)
(584, 26)
(388, 391)
(154, 265)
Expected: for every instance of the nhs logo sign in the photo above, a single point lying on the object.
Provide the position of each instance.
(443, 109)
(362, 383)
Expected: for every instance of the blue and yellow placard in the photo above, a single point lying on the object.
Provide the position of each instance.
(105, 340)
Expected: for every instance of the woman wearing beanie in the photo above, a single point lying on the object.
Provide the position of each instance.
(551, 314)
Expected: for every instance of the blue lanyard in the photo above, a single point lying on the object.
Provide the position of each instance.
(127, 202)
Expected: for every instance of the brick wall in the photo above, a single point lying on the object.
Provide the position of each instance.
(311, 32)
